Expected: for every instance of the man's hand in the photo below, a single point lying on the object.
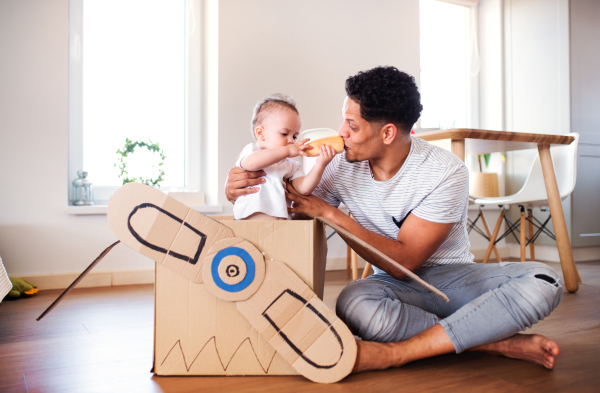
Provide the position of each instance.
(308, 205)
(238, 179)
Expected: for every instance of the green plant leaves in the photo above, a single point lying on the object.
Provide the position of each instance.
(129, 149)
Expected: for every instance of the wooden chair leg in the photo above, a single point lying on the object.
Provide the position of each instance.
(493, 237)
(366, 271)
(348, 256)
(348, 253)
(354, 267)
(487, 230)
(531, 246)
(523, 237)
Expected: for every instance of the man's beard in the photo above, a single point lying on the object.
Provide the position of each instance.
(351, 161)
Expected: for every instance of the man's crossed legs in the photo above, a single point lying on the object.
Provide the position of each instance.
(400, 322)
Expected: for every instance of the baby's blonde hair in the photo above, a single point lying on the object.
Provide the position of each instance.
(269, 104)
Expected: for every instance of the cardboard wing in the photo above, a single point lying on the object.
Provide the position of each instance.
(376, 257)
(163, 229)
(276, 302)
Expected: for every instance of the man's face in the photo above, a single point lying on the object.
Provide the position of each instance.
(361, 141)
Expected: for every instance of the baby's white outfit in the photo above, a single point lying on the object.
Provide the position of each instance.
(270, 198)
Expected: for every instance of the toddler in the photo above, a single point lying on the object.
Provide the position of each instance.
(275, 128)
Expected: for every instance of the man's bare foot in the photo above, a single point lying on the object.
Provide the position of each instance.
(372, 356)
(531, 347)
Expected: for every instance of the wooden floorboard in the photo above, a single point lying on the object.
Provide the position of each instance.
(100, 340)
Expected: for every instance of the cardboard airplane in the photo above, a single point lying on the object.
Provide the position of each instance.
(275, 301)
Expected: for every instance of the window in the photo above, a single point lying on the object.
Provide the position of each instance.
(134, 72)
(449, 65)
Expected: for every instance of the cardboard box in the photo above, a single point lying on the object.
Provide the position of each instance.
(198, 334)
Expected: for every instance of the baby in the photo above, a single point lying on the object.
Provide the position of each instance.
(275, 128)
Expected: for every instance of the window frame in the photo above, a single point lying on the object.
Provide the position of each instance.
(192, 103)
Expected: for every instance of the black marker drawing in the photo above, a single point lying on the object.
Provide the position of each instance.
(318, 314)
(224, 366)
(191, 260)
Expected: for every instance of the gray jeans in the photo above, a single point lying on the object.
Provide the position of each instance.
(487, 302)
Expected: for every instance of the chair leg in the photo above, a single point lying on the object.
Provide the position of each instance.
(354, 267)
(348, 256)
(531, 246)
(367, 270)
(493, 237)
(348, 253)
(523, 237)
(487, 230)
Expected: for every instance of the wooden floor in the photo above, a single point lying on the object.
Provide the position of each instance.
(100, 340)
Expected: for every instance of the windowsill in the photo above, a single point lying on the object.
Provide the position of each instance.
(101, 209)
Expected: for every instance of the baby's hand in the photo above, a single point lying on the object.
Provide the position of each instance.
(326, 154)
(298, 148)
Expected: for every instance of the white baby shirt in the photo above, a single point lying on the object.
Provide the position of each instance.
(270, 198)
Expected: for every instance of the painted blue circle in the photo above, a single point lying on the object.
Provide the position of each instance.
(250, 269)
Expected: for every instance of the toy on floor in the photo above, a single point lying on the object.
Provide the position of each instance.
(21, 287)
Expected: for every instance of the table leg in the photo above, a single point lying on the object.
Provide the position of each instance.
(523, 237)
(558, 220)
(458, 147)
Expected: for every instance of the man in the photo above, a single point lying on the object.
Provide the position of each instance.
(409, 200)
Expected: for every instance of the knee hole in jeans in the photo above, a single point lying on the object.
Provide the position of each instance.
(545, 278)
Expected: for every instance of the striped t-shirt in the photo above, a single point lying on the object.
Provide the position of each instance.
(432, 184)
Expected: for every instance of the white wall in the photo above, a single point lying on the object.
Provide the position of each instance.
(36, 234)
(305, 48)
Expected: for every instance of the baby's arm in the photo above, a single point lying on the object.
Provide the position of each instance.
(307, 184)
(265, 157)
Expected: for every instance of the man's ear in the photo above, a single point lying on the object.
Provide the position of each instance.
(389, 133)
(259, 132)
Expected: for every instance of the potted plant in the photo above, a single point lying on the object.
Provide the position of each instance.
(483, 184)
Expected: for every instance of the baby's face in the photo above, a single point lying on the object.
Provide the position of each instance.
(280, 128)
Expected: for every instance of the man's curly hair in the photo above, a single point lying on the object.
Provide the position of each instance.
(386, 95)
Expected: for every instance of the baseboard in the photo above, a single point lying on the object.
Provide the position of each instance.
(93, 279)
(550, 253)
(340, 263)
(146, 276)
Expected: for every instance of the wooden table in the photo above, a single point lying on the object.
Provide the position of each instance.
(469, 141)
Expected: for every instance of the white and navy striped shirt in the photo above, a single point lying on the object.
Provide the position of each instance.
(432, 184)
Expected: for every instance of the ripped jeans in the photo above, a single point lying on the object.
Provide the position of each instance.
(487, 302)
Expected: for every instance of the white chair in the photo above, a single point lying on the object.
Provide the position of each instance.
(533, 194)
